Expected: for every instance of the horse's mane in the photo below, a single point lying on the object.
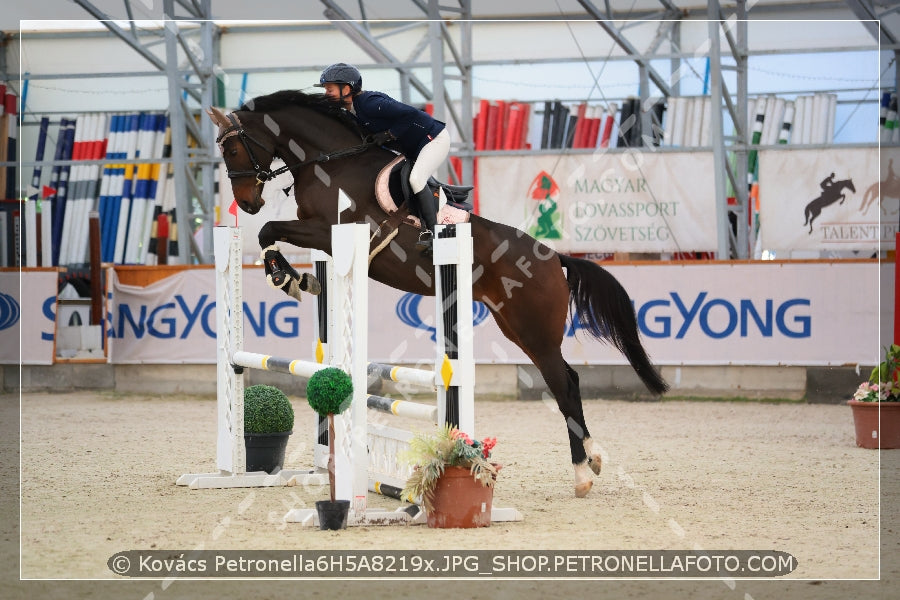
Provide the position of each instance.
(288, 98)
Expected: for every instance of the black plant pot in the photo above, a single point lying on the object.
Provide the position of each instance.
(265, 451)
(333, 515)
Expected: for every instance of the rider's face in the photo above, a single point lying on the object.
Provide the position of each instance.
(334, 91)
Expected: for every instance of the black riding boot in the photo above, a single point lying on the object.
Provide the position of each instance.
(428, 211)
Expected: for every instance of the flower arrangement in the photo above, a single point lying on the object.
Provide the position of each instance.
(430, 454)
(882, 385)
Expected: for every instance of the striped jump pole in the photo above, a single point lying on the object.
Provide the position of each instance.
(403, 408)
(265, 362)
(421, 377)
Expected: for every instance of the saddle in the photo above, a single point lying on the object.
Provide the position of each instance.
(393, 193)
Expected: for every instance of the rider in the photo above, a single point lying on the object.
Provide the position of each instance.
(827, 182)
(423, 139)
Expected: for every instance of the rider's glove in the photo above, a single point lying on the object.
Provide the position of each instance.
(382, 137)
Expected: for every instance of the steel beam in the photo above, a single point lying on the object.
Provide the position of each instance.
(623, 43)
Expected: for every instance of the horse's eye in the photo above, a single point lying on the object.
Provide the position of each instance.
(232, 152)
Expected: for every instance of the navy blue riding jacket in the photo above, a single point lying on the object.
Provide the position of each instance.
(413, 128)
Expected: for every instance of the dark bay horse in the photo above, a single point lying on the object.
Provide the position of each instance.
(527, 286)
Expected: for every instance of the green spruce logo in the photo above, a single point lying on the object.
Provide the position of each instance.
(545, 191)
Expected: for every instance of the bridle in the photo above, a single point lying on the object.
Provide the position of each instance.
(262, 174)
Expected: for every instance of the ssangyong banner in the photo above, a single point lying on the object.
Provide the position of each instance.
(174, 320)
(27, 316)
(640, 201)
(829, 199)
(805, 313)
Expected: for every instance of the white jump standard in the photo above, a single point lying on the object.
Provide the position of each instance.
(366, 454)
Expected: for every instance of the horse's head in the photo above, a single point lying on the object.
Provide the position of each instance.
(247, 159)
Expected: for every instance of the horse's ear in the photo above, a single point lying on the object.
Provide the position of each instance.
(217, 116)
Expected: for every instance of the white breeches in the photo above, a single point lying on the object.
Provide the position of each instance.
(433, 154)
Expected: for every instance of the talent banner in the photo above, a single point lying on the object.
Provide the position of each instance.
(635, 201)
(828, 200)
(27, 317)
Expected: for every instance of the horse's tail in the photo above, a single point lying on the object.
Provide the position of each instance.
(604, 308)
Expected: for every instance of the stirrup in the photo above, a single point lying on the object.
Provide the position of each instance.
(425, 241)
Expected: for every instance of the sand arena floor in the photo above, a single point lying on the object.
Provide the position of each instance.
(98, 477)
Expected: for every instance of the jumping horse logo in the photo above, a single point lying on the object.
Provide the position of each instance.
(832, 191)
(888, 188)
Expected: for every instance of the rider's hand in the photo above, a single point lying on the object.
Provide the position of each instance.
(382, 137)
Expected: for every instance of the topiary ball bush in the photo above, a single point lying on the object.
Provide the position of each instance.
(329, 391)
(267, 410)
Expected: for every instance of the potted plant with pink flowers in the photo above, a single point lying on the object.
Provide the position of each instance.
(453, 476)
(876, 405)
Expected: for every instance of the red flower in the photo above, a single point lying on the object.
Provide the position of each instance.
(456, 434)
(487, 445)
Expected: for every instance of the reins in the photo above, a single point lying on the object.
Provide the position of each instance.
(263, 175)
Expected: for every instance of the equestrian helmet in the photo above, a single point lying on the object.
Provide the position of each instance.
(342, 73)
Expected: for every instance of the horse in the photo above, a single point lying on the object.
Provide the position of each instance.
(829, 195)
(527, 287)
(889, 188)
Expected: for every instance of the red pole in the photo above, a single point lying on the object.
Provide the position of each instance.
(896, 288)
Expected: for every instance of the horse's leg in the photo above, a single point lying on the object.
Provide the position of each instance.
(541, 339)
(814, 211)
(279, 272)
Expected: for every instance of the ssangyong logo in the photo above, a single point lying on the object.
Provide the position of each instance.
(9, 311)
(408, 312)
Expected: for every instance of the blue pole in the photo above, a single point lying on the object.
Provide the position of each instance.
(243, 95)
(706, 79)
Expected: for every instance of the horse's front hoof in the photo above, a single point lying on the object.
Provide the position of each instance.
(310, 284)
(594, 460)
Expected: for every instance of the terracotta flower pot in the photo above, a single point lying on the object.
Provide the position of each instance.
(868, 432)
(460, 501)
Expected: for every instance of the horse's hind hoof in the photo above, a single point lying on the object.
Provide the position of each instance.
(582, 489)
(583, 479)
(310, 284)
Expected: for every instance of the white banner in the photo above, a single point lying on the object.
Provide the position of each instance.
(799, 313)
(828, 199)
(174, 321)
(27, 315)
(705, 314)
(639, 201)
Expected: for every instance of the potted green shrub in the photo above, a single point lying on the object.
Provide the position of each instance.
(876, 405)
(268, 423)
(330, 392)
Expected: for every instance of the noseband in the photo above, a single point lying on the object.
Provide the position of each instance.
(262, 174)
